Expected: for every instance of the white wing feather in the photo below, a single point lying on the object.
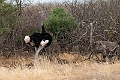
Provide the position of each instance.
(43, 43)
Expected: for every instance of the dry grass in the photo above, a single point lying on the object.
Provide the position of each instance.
(46, 70)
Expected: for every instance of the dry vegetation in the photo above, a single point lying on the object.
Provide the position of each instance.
(22, 69)
(105, 16)
(16, 62)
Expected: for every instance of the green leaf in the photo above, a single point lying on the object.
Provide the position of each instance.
(60, 22)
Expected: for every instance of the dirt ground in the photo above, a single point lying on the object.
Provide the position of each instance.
(74, 68)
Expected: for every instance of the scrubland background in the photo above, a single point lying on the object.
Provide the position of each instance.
(61, 60)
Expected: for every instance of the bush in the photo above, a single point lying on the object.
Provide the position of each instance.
(8, 19)
(60, 22)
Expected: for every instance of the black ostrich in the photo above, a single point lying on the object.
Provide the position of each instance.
(39, 41)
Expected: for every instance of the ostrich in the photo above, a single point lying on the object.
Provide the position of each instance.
(39, 41)
(107, 48)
